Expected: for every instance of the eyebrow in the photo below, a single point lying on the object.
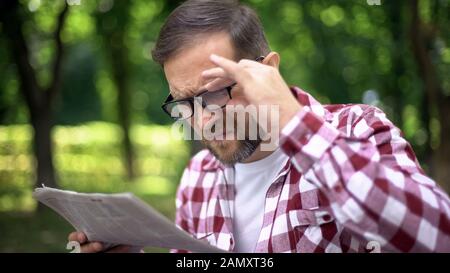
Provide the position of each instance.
(192, 92)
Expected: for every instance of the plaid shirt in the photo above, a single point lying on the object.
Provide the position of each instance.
(351, 179)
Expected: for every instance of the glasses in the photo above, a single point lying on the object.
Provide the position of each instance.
(184, 108)
(212, 101)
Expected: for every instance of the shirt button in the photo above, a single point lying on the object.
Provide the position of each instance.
(326, 218)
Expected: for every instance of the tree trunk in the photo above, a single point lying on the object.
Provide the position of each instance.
(116, 50)
(124, 117)
(38, 100)
(398, 67)
(442, 157)
(422, 39)
(43, 147)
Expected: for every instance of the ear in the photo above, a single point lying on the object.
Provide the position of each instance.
(272, 59)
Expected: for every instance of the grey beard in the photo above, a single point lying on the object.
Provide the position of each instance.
(246, 149)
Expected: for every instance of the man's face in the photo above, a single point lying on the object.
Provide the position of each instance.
(183, 73)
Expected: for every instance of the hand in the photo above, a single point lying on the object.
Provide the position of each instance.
(261, 84)
(93, 247)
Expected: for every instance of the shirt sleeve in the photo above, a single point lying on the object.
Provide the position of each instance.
(182, 216)
(369, 174)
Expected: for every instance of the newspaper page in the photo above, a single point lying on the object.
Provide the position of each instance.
(120, 218)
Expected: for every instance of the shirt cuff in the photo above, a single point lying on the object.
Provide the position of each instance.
(307, 136)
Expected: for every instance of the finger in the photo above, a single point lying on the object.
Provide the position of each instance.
(249, 63)
(72, 236)
(220, 72)
(119, 249)
(77, 236)
(218, 83)
(82, 238)
(216, 72)
(232, 69)
(91, 247)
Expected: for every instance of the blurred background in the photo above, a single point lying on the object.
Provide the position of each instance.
(80, 96)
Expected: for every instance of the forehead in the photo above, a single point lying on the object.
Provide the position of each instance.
(183, 71)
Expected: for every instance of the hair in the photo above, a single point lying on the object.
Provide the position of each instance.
(195, 19)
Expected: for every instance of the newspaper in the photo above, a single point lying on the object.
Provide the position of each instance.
(119, 218)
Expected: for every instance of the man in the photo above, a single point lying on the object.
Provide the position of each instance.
(342, 179)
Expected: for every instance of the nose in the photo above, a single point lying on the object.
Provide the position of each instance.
(202, 117)
(210, 118)
(205, 117)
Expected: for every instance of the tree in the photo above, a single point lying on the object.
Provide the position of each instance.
(423, 37)
(112, 25)
(39, 100)
(399, 50)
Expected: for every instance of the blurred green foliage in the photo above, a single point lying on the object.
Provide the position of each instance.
(336, 50)
(88, 159)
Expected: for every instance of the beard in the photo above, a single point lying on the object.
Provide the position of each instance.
(234, 150)
(230, 152)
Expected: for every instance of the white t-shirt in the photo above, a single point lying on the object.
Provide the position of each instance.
(252, 180)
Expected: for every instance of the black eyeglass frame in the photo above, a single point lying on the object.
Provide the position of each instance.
(169, 100)
(191, 100)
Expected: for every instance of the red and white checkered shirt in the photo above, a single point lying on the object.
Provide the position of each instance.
(352, 183)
